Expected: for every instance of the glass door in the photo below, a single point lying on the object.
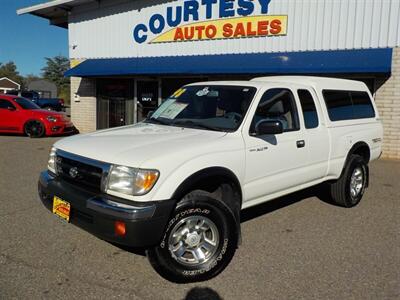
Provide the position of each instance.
(147, 98)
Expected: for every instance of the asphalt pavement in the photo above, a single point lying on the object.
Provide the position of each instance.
(296, 247)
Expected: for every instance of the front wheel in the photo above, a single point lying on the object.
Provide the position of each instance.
(34, 129)
(199, 242)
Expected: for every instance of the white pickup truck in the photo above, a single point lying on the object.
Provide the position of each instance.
(175, 183)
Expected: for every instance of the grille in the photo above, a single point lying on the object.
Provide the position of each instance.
(79, 173)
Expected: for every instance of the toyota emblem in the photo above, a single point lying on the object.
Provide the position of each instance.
(73, 172)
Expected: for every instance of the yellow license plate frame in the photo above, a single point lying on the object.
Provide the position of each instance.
(61, 208)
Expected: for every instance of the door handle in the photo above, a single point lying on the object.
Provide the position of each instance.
(300, 144)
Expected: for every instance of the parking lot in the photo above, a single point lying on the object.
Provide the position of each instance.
(294, 247)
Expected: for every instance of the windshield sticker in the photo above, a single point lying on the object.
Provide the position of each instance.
(162, 107)
(173, 110)
(203, 92)
(178, 93)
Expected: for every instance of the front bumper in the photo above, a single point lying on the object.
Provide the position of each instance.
(59, 128)
(145, 222)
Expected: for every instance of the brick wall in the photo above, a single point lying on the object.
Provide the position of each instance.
(83, 103)
(387, 99)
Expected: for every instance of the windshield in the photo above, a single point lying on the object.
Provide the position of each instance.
(26, 104)
(211, 107)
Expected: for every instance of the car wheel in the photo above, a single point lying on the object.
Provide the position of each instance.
(348, 190)
(199, 242)
(34, 129)
(48, 108)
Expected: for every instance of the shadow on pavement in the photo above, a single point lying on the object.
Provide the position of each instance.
(321, 191)
(199, 293)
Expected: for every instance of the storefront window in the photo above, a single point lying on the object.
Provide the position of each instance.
(115, 103)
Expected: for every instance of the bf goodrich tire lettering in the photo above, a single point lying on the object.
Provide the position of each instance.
(213, 222)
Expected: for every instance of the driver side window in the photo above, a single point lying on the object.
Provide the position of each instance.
(277, 105)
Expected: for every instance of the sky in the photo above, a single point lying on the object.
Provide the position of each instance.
(27, 40)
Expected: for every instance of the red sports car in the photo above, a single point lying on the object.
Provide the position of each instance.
(20, 115)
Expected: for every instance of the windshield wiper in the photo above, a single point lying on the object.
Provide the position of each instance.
(195, 124)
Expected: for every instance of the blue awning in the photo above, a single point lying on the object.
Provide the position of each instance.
(317, 62)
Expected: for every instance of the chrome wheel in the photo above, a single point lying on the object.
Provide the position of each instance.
(356, 182)
(193, 240)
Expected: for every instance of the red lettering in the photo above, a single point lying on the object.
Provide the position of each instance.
(276, 27)
(200, 30)
(250, 31)
(239, 31)
(262, 28)
(179, 35)
(189, 35)
(227, 30)
(211, 31)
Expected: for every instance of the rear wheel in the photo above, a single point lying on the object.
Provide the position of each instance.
(348, 190)
(199, 242)
(34, 129)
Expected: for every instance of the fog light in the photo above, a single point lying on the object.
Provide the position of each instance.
(119, 228)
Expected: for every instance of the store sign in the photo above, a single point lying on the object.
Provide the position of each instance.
(246, 19)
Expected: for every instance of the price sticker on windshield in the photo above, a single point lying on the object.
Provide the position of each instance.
(173, 110)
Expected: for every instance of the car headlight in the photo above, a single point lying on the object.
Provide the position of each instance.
(51, 119)
(51, 164)
(130, 181)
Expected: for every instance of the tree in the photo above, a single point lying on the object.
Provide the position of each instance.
(10, 71)
(54, 71)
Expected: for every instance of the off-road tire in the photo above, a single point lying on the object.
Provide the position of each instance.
(340, 190)
(197, 204)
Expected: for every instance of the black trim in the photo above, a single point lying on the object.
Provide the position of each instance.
(144, 230)
(190, 182)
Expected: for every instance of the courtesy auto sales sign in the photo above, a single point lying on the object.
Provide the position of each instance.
(222, 19)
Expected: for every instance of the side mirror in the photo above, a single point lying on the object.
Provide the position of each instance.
(11, 108)
(269, 127)
(149, 114)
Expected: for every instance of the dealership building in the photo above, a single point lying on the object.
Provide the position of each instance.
(127, 56)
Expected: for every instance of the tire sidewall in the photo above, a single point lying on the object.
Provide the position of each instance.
(35, 136)
(355, 162)
(217, 212)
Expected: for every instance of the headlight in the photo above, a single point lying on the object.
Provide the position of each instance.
(131, 181)
(51, 119)
(51, 164)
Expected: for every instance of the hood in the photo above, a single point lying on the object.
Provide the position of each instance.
(133, 145)
(45, 113)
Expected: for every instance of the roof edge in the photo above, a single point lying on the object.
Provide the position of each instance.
(34, 8)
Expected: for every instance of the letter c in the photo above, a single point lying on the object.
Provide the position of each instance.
(136, 33)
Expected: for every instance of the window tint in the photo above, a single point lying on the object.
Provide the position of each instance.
(309, 110)
(347, 105)
(362, 105)
(4, 104)
(26, 104)
(339, 105)
(277, 104)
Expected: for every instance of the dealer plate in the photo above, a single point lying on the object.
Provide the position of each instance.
(61, 208)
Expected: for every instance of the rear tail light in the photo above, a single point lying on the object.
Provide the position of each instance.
(61, 101)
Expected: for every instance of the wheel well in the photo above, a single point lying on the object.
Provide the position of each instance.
(362, 149)
(220, 182)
